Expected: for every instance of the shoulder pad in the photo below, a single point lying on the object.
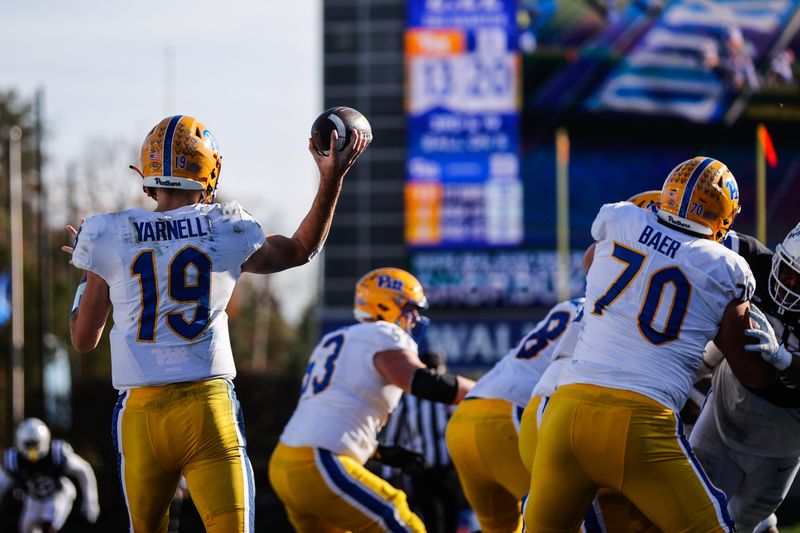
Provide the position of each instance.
(10, 464)
(59, 451)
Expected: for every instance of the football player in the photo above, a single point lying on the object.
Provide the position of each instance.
(659, 287)
(748, 440)
(40, 467)
(355, 378)
(482, 435)
(609, 511)
(169, 274)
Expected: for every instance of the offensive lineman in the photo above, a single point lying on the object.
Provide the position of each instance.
(748, 440)
(354, 379)
(40, 467)
(168, 274)
(482, 435)
(609, 511)
(658, 289)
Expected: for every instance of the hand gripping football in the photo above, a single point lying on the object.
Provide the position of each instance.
(343, 120)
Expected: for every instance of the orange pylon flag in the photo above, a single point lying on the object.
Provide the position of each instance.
(767, 146)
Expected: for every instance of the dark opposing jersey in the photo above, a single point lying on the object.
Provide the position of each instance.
(40, 479)
(786, 325)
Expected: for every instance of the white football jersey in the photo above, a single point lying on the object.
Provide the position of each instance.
(562, 354)
(344, 400)
(170, 276)
(654, 297)
(514, 376)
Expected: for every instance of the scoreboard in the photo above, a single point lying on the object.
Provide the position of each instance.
(462, 106)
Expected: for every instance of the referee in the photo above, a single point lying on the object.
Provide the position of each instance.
(419, 425)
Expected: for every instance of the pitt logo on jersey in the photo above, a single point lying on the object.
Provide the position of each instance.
(388, 282)
(659, 242)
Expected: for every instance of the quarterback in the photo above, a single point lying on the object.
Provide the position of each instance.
(168, 275)
(355, 378)
(482, 435)
(659, 287)
(748, 440)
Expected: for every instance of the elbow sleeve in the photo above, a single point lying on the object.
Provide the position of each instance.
(430, 385)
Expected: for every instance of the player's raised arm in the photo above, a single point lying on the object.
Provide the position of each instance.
(281, 252)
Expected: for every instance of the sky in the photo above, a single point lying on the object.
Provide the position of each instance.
(250, 70)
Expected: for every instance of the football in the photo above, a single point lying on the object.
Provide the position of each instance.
(343, 120)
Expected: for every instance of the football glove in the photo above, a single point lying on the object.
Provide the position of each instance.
(406, 460)
(768, 346)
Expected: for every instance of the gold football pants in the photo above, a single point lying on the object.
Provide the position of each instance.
(193, 428)
(328, 493)
(483, 444)
(594, 437)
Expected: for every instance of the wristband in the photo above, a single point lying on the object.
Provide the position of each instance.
(78, 294)
(782, 358)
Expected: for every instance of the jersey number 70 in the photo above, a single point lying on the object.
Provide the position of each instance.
(652, 300)
(179, 290)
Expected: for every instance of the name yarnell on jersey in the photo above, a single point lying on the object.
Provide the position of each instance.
(165, 230)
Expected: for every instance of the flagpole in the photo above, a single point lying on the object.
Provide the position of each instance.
(761, 188)
(17, 301)
(562, 212)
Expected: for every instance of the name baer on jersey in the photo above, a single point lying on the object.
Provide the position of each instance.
(170, 276)
(674, 285)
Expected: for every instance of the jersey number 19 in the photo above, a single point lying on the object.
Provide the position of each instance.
(180, 290)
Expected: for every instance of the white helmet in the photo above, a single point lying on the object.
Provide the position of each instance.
(784, 278)
(33, 439)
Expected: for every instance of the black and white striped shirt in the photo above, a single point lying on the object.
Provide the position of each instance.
(419, 425)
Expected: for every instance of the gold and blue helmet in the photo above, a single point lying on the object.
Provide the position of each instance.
(650, 200)
(701, 196)
(180, 153)
(389, 294)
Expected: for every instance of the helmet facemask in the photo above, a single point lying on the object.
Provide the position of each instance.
(411, 315)
(33, 439)
(784, 281)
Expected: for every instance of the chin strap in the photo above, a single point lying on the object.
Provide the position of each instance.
(135, 169)
(149, 191)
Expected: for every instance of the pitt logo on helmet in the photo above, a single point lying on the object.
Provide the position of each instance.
(180, 153)
(389, 294)
(649, 200)
(701, 196)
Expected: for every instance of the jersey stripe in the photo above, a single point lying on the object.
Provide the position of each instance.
(690, 185)
(116, 424)
(167, 151)
(718, 498)
(358, 495)
(247, 467)
(58, 454)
